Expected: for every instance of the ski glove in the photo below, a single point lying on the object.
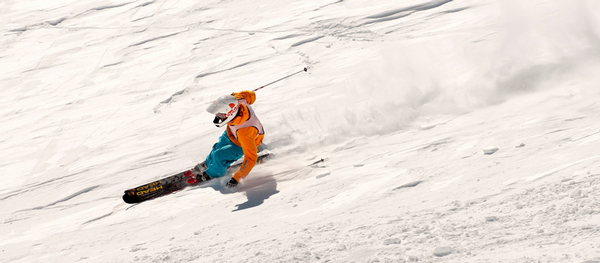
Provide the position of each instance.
(232, 183)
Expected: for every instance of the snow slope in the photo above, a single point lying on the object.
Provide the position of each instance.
(402, 98)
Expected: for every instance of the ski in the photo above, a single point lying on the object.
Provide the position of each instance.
(174, 183)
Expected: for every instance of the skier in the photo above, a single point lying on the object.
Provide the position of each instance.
(243, 135)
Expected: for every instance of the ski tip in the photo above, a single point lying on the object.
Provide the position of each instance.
(127, 200)
(130, 199)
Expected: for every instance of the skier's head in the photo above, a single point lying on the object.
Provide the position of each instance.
(225, 108)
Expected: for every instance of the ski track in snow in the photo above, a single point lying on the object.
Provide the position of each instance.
(423, 131)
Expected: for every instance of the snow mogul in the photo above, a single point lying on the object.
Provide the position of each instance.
(242, 137)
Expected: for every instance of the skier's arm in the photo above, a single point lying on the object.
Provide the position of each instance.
(247, 139)
(248, 95)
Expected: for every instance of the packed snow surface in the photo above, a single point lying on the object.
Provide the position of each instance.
(451, 131)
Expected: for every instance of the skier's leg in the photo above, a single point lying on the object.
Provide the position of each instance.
(223, 154)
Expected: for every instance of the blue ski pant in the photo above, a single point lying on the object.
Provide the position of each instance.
(223, 154)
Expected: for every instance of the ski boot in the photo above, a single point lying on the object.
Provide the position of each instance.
(200, 172)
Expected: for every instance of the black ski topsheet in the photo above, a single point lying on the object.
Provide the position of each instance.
(171, 184)
(159, 188)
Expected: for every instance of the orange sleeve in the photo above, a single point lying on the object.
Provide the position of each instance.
(247, 139)
(248, 95)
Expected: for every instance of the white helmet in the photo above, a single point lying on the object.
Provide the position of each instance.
(225, 108)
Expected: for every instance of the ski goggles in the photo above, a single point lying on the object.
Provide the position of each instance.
(220, 119)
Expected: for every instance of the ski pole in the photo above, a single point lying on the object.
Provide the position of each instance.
(305, 70)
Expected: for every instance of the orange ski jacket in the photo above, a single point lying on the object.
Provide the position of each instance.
(249, 138)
